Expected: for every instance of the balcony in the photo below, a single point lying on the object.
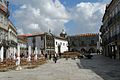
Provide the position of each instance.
(114, 38)
(12, 43)
(114, 19)
(4, 42)
(111, 21)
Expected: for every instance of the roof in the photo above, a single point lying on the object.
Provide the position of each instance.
(25, 35)
(62, 38)
(22, 39)
(39, 34)
(34, 34)
(86, 35)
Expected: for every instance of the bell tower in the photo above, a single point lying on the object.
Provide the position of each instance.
(63, 34)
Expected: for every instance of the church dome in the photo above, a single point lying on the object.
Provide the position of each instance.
(63, 33)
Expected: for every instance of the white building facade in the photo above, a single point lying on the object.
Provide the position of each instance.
(12, 41)
(8, 33)
(61, 45)
(46, 43)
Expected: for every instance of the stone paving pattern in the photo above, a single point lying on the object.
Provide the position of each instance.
(97, 68)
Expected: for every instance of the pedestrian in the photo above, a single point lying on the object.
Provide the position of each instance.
(50, 56)
(98, 51)
(55, 58)
(46, 55)
(60, 55)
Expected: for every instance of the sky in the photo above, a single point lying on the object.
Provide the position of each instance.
(74, 16)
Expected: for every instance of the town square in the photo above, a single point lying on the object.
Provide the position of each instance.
(59, 39)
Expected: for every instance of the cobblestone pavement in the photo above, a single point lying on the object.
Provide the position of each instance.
(84, 69)
(108, 69)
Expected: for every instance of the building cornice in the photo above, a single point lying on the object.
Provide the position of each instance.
(4, 9)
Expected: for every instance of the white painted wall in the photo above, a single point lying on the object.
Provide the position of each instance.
(63, 43)
(1, 54)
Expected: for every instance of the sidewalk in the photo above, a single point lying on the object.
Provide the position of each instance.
(62, 70)
(99, 68)
(105, 67)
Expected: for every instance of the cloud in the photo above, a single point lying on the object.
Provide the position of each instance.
(42, 15)
(39, 16)
(87, 17)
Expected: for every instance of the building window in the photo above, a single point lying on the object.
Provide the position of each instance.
(56, 43)
(92, 41)
(60, 43)
(82, 43)
(41, 38)
(66, 44)
(63, 44)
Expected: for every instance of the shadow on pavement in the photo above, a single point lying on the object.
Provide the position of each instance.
(105, 67)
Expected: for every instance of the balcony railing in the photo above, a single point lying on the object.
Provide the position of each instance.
(12, 43)
(4, 42)
(114, 38)
(118, 16)
(111, 21)
(114, 19)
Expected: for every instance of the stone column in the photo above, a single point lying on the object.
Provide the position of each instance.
(14, 53)
(7, 53)
(39, 51)
(2, 53)
(29, 53)
(36, 52)
(18, 58)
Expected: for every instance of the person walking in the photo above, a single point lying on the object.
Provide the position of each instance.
(50, 56)
(55, 58)
(46, 56)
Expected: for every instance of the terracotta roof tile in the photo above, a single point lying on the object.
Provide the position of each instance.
(87, 35)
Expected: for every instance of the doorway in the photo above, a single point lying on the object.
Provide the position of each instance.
(59, 49)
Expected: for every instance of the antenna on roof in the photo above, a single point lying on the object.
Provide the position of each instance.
(49, 30)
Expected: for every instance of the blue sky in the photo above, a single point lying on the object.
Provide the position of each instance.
(75, 16)
(72, 3)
